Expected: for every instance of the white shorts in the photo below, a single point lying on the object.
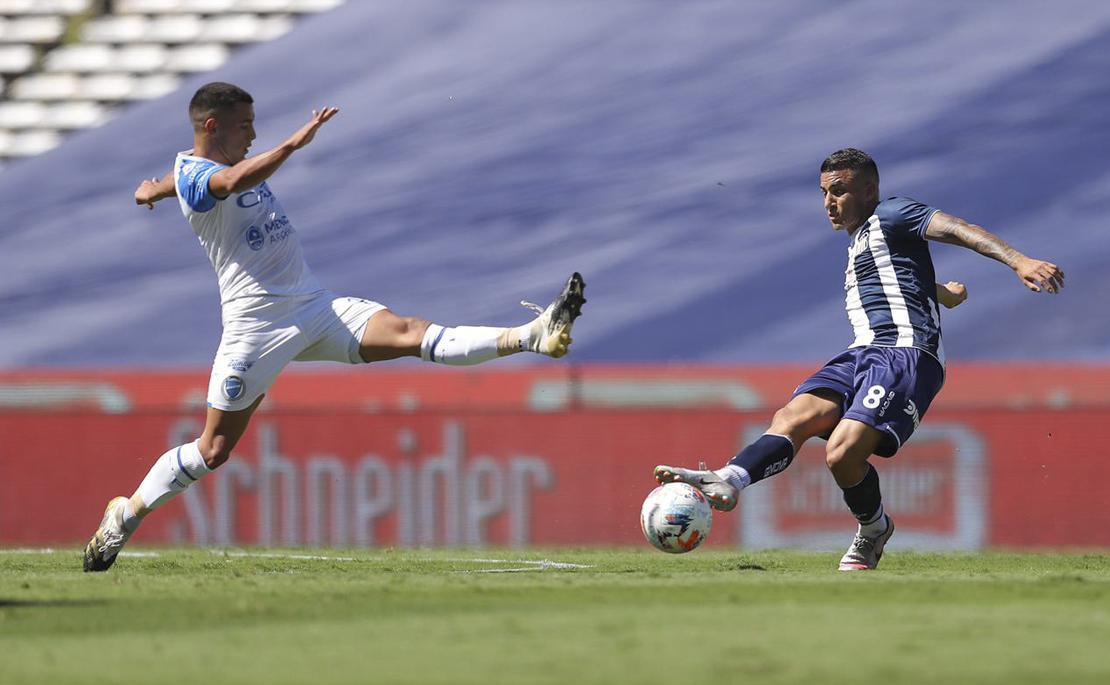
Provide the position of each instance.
(258, 343)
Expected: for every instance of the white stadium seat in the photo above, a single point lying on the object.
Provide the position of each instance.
(141, 59)
(48, 29)
(16, 59)
(263, 6)
(232, 28)
(245, 28)
(194, 58)
(95, 57)
(21, 114)
(145, 6)
(314, 5)
(171, 6)
(273, 27)
(127, 50)
(207, 6)
(74, 115)
(218, 7)
(62, 115)
(79, 58)
(27, 143)
(116, 29)
(155, 86)
(68, 7)
(175, 28)
(106, 87)
(44, 87)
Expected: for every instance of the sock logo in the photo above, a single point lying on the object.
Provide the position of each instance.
(774, 468)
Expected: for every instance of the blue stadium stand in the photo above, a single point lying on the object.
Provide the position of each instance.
(668, 151)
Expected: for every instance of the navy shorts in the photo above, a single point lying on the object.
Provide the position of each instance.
(888, 388)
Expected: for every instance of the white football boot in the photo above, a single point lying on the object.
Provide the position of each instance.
(721, 494)
(865, 552)
(551, 329)
(109, 538)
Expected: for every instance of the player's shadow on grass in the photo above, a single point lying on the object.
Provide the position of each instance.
(35, 603)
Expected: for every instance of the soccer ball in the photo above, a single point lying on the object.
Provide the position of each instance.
(676, 518)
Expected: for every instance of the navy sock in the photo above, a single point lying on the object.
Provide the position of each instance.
(864, 498)
(765, 457)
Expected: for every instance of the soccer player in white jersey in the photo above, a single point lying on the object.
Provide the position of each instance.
(870, 398)
(274, 311)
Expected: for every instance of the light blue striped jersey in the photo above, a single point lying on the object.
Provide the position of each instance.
(890, 284)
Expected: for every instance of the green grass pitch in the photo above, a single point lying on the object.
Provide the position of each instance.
(498, 616)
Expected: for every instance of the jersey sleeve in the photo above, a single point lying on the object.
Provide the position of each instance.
(192, 184)
(901, 217)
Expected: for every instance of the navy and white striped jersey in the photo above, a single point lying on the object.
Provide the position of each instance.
(890, 285)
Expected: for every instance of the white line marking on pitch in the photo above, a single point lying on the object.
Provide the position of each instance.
(529, 564)
(51, 550)
(502, 570)
(272, 555)
(541, 565)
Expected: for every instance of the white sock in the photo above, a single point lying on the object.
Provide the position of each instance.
(524, 337)
(462, 345)
(130, 518)
(736, 476)
(174, 471)
(877, 525)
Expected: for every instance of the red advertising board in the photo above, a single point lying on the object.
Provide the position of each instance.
(549, 387)
(968, 479)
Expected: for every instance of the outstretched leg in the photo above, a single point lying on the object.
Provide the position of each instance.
(807, 415)
(171, 475)
(389, 336)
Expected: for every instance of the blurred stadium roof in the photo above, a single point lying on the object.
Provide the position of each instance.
(668, 151)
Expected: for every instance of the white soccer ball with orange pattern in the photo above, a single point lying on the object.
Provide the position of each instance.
(676, 518)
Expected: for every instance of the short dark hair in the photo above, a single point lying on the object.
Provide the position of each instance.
(852, 160)
(214, 98)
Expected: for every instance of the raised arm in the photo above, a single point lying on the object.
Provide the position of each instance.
(254, 170)
(1035, 274)
(154, 190)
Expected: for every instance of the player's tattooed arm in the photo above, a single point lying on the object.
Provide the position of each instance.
(254, 170)
(953, 230)
(951, 294)
(1035, 274)
(154, 190)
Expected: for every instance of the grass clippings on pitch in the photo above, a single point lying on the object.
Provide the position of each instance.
(552, 616)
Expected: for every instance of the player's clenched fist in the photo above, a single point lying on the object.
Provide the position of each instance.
(951, 294)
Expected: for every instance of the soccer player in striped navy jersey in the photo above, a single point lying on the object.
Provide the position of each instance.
(870, 398)
(274, 310)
